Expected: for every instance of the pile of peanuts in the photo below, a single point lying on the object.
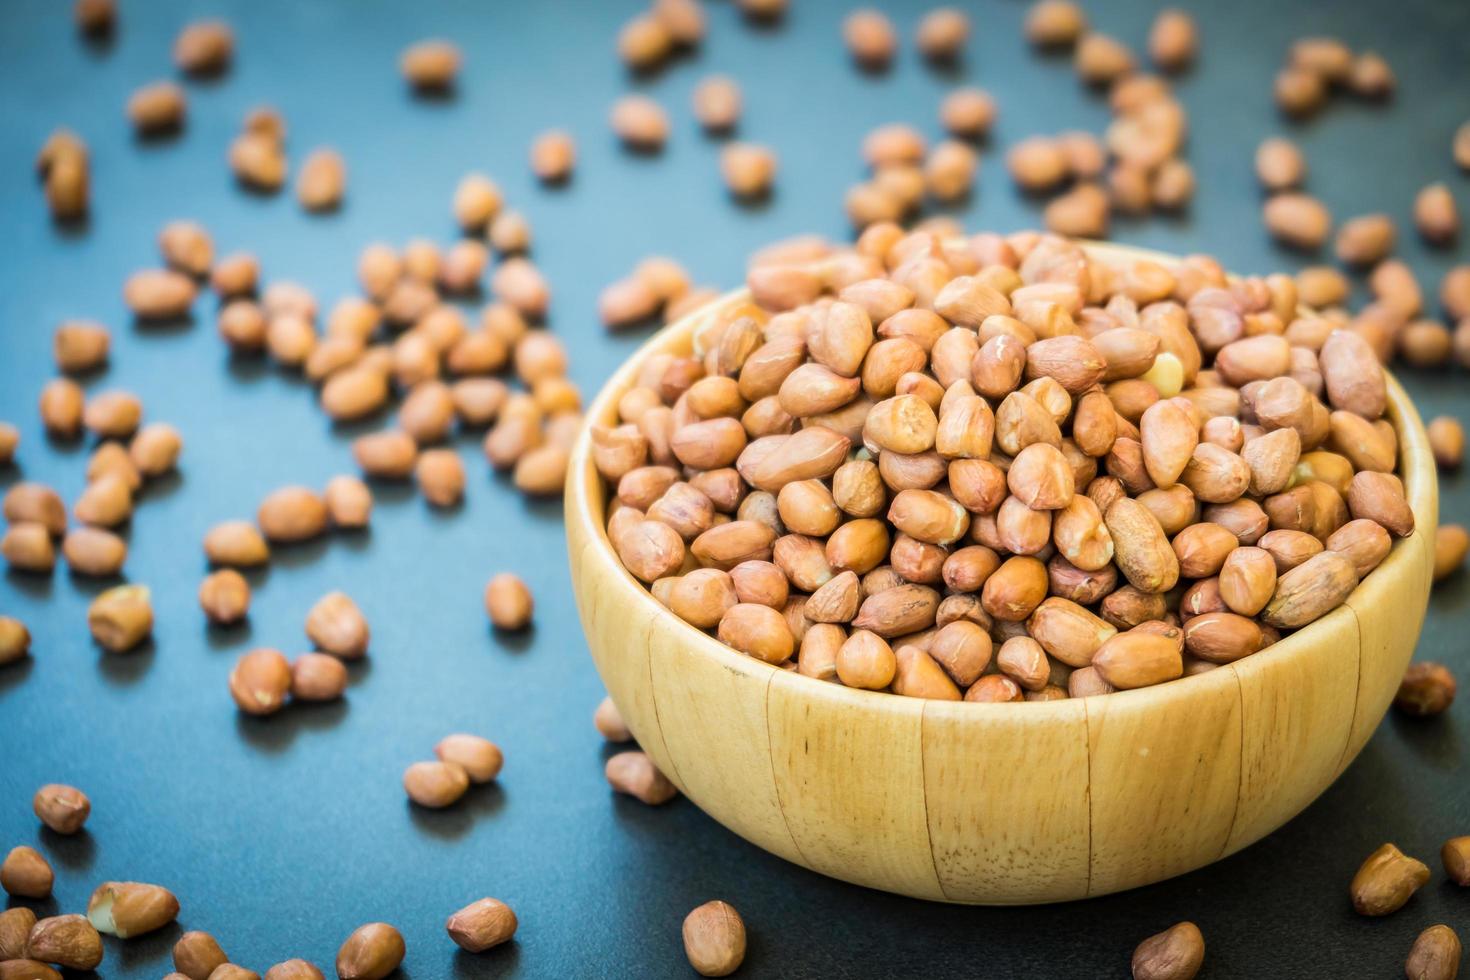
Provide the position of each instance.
(1003, 469)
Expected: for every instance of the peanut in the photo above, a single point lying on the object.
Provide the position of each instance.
(322, 181)
(1451, 542)
(1386, 880)
(26, 874)
(62, 808)
(634, 774)
(430, 66)
(318, 677)
(553, 155)
(1456, 857)
(1177, 953)
(1427, 689)
(15, 640)
(714, 939)
(371, 953)
(260, 681)
(197, 955)
(435, 784)
(292, 514)
(1435, 955)
(69, 941)
(131, 908)
(337, 626)
(481, 925)
(121, 618)
(204, 47)
(609, 722)
(480, 758)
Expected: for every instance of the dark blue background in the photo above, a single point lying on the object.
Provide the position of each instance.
(281, 835)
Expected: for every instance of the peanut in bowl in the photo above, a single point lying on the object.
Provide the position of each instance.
(999, 803)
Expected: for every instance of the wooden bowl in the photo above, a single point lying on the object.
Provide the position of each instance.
(998, 803)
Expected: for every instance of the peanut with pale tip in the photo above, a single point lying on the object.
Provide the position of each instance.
(260, 681)
(121, 618)
(126, 909)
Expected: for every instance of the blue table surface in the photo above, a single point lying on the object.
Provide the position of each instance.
(280, 835)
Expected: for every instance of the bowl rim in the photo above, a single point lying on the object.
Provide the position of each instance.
(586, 506)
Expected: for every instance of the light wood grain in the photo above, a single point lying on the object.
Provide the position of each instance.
(723, 758)
(998, 804)
(1164, 773)
(979, 761)
(1298, 698)
(851, 783)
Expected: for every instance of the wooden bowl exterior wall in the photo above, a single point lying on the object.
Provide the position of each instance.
(998, 803)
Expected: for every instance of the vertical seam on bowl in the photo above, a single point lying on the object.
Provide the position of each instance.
(1087, 739)
(653, 697)
(776, 783)
(1347, 745)
(924, 782)
(1240, 768)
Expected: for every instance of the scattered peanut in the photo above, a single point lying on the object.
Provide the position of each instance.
(609, 722)
(26, 874)
(121, 618)
(717, 103)
(748, 169)
(481, 925)
(634, 774)
(871, 38)
(1427, 689)
(1177, 953)
(640, 123)
(430, 66)
(157, 109)
(204, 47)
(260, 681)
(480, 758)
(1386, 880)
(714, 939)
(15, 640)
(27, 547)
(337, 626)
(197, 955)
(1451, 542)
(435, 784)
(371, 953)
(1435, 955)
(131, 908)
(1456, 857)
(318, 677)
(62, 808)
(1436, 215)
(553, 155)
(69, 941)
(322, 181)
(292, 514)
(508, 602)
